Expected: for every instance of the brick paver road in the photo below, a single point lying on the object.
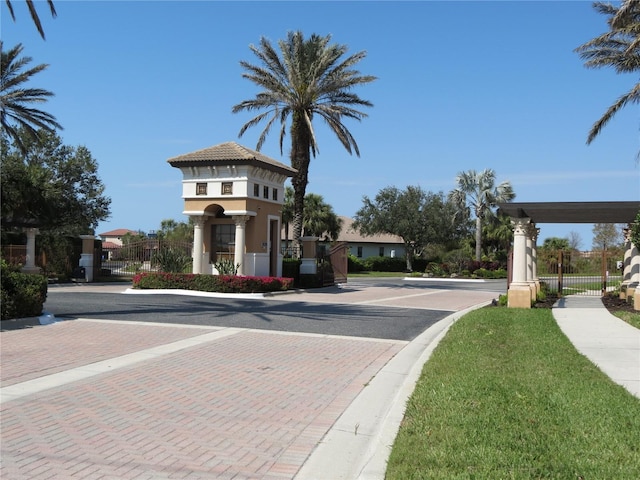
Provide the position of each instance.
(91, 399)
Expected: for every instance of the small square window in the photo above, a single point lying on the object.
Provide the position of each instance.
(381, 251)
(274, 194)
(265, 192)
(227, 188)
(256, 190)
(201, 188)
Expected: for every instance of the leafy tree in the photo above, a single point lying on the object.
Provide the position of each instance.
(618, 48)
(606, 235)
(478, 191)
(53, 186)
(34, 13)
(15, 98)
(420, 218)
(308, 77)
(174, 231)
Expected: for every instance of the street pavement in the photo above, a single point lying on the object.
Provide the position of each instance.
(307, 385)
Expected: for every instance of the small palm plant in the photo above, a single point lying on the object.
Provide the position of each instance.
(171, 260)
(226, 267)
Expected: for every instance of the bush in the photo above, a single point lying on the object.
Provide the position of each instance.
(22, 294)
(171, 260)
(385, 264)
(355, 265)
(211, 283)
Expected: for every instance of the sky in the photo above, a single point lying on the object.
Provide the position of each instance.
(460, 85)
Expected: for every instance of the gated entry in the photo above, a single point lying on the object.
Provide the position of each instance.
(580, 273)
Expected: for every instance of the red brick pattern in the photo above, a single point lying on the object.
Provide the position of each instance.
(36, 352)
(247, 406)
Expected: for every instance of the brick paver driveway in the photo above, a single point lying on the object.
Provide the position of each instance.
(98, 399)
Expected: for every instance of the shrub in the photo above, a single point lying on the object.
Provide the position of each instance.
(226, 267)
(22, 294)
(211, 283)
(385, 264)
(354, 264)
(171, 260)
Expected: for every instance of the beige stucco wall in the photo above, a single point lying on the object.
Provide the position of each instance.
(257, 227)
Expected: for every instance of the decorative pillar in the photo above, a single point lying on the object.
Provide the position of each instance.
(532, 260)
(240, 245)
(30, 265)
(309, 266)
(633, 288)
(519, 294)
(198, 224)
(86, 258)
(626, 263)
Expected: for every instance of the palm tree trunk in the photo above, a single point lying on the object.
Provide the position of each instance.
(300, 160)
(478, 238)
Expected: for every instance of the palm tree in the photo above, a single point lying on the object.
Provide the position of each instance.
(477, 190)
(319, 218)
(14, 97)
(307, 78)
(618, 48)
(34, 13)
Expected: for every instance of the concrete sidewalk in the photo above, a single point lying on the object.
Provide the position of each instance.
(610, 343)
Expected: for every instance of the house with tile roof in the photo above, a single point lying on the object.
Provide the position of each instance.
(361, 246)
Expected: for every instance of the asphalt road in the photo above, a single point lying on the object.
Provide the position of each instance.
(289, 312)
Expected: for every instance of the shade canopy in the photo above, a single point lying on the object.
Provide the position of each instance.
(573, 212)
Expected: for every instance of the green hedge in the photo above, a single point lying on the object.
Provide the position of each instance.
(23, 295)
(211, 283)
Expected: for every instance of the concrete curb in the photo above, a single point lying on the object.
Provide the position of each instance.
(358, 445)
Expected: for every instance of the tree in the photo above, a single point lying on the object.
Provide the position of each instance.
(53, 186)
(176, 231)
(15, 98)
(497, 233)
(419, 218)
(34, 13)
(309, 77)
(635, 230)
(575, 240)
(477, 190)
(319, 218)
(606, 235)
(618, 48)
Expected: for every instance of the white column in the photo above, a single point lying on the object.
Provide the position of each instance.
(238, 259)
(532, 259)
(30, 266)
(519, 294)
(198, 224)
(626, 264)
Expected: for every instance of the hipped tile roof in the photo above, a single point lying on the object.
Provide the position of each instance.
(230, 153)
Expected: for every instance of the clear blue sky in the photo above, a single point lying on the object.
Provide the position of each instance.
(462, 85)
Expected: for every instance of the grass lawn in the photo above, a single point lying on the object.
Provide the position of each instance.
(506, 396)
(631, 318)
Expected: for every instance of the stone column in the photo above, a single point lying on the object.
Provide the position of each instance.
(532, 259)
(519, 294)
(30, 265)
(198, 224)
(309, 265)
(86, 258)
(633, 288)
(240, 245)
(626, 263)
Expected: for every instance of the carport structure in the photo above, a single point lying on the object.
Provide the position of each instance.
(525, 217)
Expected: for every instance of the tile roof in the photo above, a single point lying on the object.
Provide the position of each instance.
(350, 235)
(119, 232)
(230, 152)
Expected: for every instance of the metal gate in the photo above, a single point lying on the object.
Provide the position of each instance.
(580, 273)
(145, 256)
